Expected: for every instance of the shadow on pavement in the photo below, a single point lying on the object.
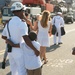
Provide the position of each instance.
(8, 73)
(1, 30)
(52, 48)
(7, 64)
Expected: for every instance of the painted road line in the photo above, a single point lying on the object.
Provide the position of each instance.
(70, 30)
(59, 62)
(2, 51)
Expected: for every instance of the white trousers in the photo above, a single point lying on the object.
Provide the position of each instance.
(57, 39)
(16, 61)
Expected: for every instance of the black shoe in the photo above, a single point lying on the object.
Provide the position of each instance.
(60, 43)
(3, 65)
(54, 44)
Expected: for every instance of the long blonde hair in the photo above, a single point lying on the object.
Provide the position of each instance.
(45, 19)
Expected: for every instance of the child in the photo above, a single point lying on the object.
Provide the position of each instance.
(32, 62)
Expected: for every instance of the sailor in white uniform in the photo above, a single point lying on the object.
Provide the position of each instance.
(19, 33)
(58, 21)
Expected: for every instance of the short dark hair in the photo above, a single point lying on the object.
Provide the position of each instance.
(32, 36)
(26, 14)
(18, 11)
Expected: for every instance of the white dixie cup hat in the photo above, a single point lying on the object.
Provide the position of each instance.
(60, 13)
(17, 6)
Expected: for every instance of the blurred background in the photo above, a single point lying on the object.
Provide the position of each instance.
(34, 7)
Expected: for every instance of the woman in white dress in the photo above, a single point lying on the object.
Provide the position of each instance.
(44, 28)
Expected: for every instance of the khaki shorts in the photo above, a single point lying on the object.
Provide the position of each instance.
(37, 71)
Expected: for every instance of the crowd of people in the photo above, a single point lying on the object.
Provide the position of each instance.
(29, 41)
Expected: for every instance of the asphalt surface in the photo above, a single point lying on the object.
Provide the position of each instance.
(60, 58)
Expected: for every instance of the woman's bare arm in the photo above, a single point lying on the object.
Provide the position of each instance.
(34, 26)
(50, 30)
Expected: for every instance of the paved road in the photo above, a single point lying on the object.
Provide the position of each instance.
(60, 59)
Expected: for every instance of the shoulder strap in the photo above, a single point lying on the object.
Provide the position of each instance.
(8, 29)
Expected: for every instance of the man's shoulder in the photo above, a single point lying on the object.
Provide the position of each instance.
(16, 18)
(55, 17)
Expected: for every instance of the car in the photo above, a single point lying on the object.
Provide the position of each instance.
(68, 17)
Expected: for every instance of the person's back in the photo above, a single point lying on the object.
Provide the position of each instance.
(15, 29)
(42, 29)
(43, 32)
(58, 21)
(31, 61)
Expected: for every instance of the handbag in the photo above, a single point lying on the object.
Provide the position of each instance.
(62, 31)
(54, 28)
(8, 45)
(73, 52)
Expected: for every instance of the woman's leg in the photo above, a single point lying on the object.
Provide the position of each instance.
(43, 53)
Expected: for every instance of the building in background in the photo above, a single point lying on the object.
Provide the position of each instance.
(2, 3)
(7, 3)
(12, 1)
